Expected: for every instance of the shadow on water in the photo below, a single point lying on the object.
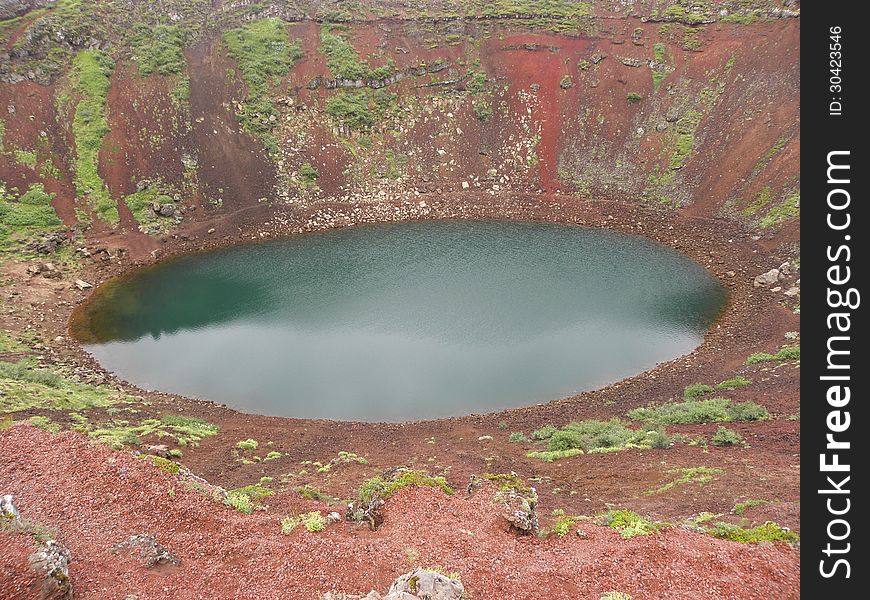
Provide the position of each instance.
(153, 302)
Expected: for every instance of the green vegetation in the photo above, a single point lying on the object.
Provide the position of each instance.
(158, 49)
(476, 83)
(741, 507)
(240, 502)
(29, 214)
(185, 431)
(696, 390)
(544, 433)
(726, 437)
(553, 455)
(312, 521)
(140, 204)
(343, 458)
(787, 209)
(24, 387)
(555, 15)
(563, 523)
(309, 176)
(483, 111)
(762, 199)
(517, 437)
(164, 464)
(311, 493)
(768, 532)
(25, 158)
(248, 444)
(263, 52)
(360, 109)
(733, 383)
(23, 371)
(245, 499)
(90, 76)
(342, 59)
(379, 488)
(784, 353)
(688, 475)
(616, 596)
(684, 141)
(628, 523)
(633, 97)
(712, 410)
(596, 436)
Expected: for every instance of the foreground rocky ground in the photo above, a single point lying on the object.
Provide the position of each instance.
(93, 500)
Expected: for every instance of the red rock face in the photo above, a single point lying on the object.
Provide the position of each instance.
(561, 120)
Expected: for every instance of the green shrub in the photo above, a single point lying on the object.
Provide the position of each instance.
(552, 455)
(517, 437)
(628, 523)
(696, 390)
(768, 532)
(476, 83)
(590, 435)
(309, 173)
(733, 383)
(377, 487)
(616, 596)
(633, 97)
(784, 353)
(164, 464)
(248, 444)
(544, 433)
(726, 437)
(240, 502)
(31, 214)
(711, 410)
(483, 111)
(313, 521)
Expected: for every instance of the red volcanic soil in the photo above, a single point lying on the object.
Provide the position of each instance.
(95, 498)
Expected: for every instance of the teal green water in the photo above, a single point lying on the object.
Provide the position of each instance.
(403, 321)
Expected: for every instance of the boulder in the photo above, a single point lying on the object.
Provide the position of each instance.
(150, 550)
(768, 278)
(167, 210)
(8, 513)
(51, 563)
(422, 583)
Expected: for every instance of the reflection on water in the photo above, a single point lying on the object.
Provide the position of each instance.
(403, 321)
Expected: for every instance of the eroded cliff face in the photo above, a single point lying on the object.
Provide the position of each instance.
(213, 108)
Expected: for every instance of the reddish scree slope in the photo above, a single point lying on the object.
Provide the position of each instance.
(95, 498)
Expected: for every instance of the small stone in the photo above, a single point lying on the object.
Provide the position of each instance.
(82, 284)
(210, 231)
(792, 292)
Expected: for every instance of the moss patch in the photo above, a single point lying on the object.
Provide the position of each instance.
(90, 76)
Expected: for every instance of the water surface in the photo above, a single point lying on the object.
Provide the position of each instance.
(402, 321)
